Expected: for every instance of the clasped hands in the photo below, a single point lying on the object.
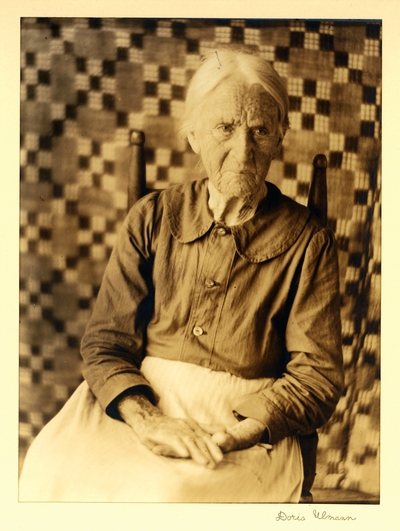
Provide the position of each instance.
(185, 438)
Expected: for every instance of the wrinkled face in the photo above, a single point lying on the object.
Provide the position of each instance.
(237, 137)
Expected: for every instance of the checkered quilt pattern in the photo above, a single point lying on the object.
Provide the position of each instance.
(86, 83)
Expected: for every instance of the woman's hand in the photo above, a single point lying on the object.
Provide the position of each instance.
(168, 436)
(244, 434)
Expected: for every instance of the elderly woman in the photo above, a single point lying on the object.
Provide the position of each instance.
(215, 339)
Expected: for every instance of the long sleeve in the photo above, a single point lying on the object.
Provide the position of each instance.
(306, 395)
(113, 345)
(259, 301)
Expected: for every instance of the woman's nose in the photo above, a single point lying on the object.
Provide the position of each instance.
(242, 147)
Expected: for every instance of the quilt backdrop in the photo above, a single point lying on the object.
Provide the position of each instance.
(86, 83)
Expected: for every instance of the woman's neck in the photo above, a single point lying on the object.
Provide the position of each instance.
(234, 210)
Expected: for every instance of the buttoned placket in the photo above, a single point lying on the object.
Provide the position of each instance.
(209, 296)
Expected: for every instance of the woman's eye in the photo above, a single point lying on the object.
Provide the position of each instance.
(260, 131)
(225, 129)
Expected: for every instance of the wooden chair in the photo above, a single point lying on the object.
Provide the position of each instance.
(317, 203)
(317, 196)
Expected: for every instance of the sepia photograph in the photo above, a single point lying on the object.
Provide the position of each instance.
(200, 261)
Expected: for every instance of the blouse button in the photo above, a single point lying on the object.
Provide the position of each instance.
(197, 331)
(221, 231)
(209, 283)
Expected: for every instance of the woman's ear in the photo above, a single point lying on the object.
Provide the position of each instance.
(194, 143)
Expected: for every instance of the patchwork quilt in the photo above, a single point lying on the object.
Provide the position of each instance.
(86, 83)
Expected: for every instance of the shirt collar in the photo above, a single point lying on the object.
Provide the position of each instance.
(274, 228)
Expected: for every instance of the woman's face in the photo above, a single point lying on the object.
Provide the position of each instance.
(237, 137)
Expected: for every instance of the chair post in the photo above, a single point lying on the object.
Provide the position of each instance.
(317, 197)
(318, 205)
(137, 169)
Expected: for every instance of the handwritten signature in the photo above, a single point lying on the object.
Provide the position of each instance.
(282, 516)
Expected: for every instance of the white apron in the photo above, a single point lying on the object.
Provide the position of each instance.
(83, 455)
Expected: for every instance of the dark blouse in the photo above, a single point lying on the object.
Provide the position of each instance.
(259, 299)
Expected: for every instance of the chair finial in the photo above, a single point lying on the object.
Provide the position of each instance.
(137, 138)
(320, 161)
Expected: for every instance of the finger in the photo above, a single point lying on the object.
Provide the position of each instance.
(204, 442)
(199, 452)
(173, 448)
(247, 432)
(212, 428)
(168, 451)
(197, 429)
(208, 447)
(225, 441)
(165, 450)
(215, 451)
(205, 451)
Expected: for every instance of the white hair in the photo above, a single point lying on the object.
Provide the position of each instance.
(229, 63)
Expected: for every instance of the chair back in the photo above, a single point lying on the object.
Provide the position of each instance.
(137, 188)
(137, 169)
(318, 195)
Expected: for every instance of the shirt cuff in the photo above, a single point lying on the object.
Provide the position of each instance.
(120, 385)
(259, 408)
